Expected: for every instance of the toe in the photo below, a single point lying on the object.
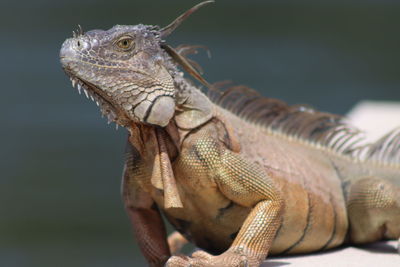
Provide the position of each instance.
(178, 261)
(200, 254)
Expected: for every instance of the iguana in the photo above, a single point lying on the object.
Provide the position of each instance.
(239, 175)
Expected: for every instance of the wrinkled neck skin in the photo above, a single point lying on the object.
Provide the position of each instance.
(192, 109)
(158, 146)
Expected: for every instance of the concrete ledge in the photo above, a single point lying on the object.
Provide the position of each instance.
(375, 255)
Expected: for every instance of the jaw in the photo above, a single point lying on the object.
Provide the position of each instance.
(125, 94)
(108, 108)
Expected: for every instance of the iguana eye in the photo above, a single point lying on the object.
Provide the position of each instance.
(125, 43)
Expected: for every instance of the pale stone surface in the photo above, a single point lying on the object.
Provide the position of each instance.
(381, 254)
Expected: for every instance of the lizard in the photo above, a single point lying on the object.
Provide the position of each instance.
(240, 175)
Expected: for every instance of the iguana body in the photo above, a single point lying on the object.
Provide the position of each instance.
(240, 176)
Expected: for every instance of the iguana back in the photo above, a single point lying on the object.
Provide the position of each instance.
(314, 159)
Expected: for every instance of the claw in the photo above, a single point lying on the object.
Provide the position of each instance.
(244, 261)
(204, 259)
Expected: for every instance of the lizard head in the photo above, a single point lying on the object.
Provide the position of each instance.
(126, 70)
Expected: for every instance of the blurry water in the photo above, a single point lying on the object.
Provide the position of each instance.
(61, 163)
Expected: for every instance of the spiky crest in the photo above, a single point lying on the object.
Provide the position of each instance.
(386, 149)
(298, 121)
(304, 123)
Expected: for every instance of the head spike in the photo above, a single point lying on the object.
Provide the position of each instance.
(167, 30)
(80, 30)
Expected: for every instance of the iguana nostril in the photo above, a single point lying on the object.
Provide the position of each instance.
(81, 43)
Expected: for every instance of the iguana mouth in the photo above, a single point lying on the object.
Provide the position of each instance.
(107, 108)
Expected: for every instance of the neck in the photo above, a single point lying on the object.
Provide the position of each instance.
(184, 88)
(193, 107)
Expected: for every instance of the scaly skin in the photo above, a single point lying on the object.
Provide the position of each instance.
(234, 188)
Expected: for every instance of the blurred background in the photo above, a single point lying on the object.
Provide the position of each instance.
(61, 163)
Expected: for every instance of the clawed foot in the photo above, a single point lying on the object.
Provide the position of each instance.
(204, 259)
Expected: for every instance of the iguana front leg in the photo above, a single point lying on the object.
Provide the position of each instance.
(248, 185)
(146, 220)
